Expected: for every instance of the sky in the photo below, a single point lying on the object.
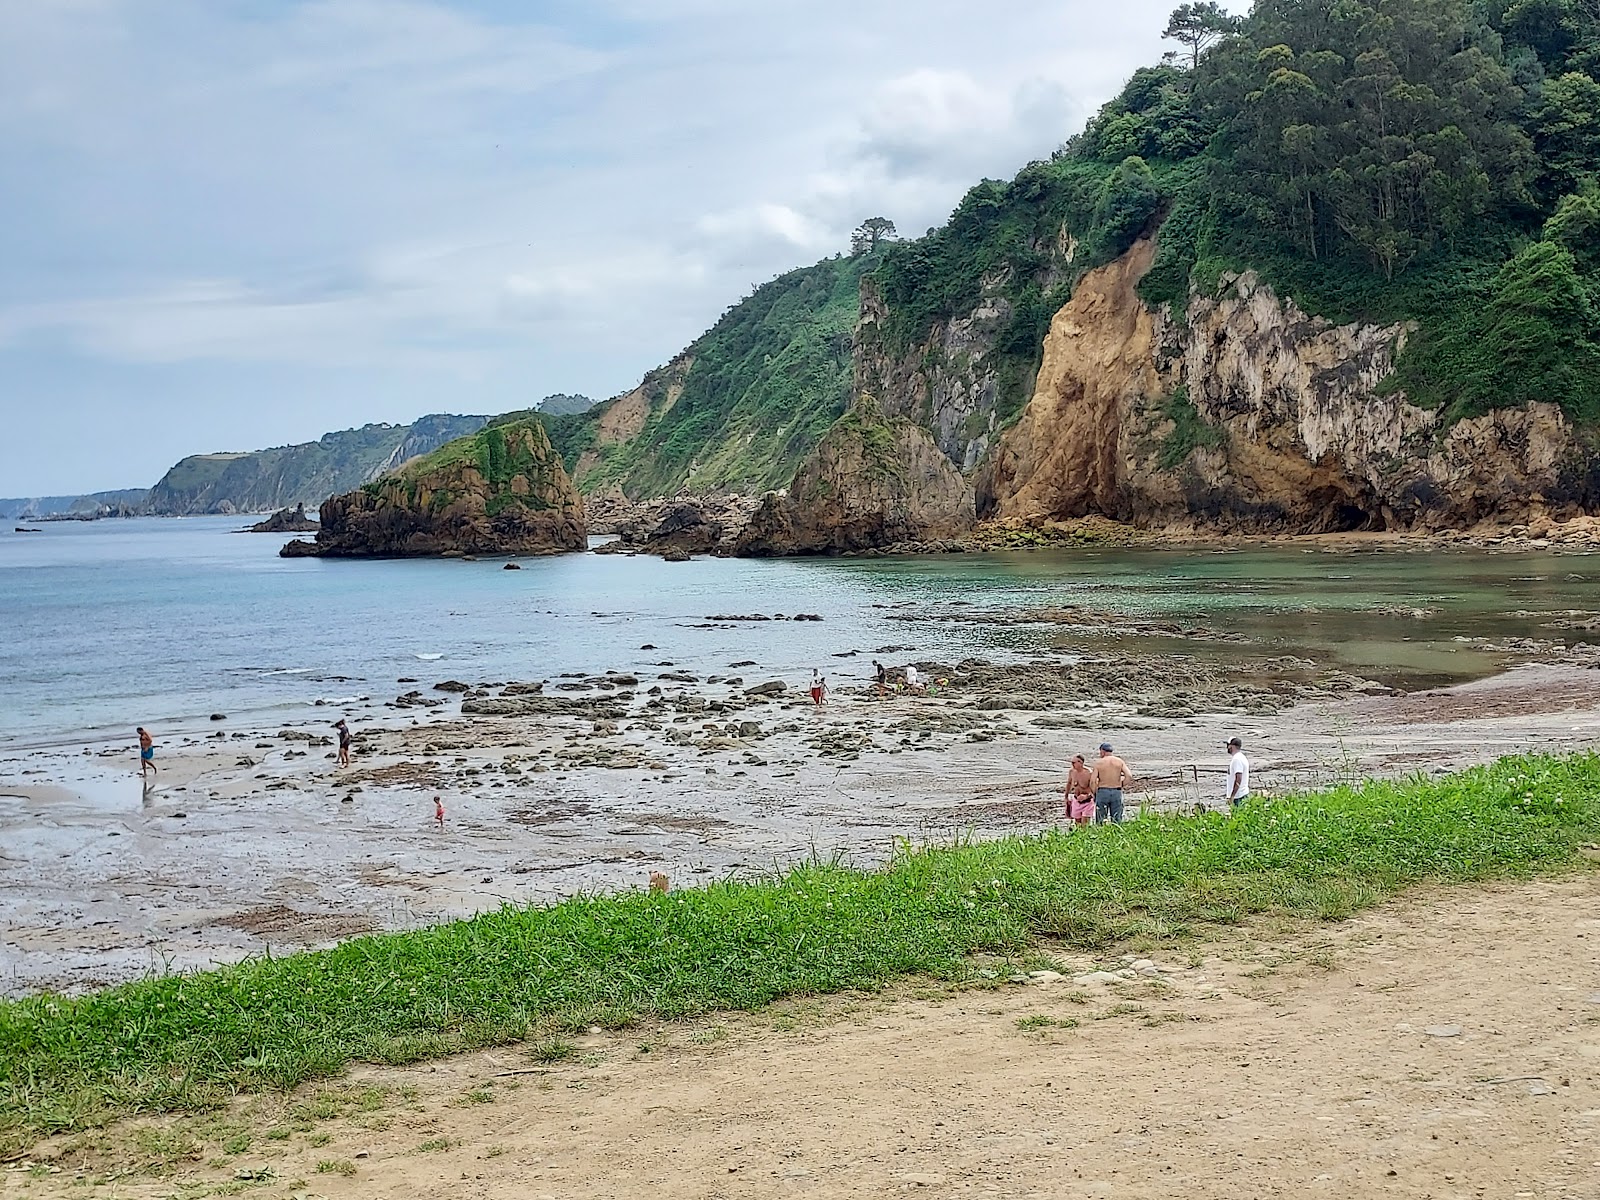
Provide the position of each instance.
(230, 224)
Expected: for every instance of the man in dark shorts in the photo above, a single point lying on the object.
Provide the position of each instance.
(880, 677)
(147, 753)
(344, 742)
(1111, 775)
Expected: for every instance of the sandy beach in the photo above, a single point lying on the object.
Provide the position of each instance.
(255, 840)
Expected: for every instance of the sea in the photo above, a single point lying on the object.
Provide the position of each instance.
(163, 622)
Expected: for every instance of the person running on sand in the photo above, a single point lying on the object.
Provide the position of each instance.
(147, 753)
(344, 742)
(1111, 775)
(1080, 791)
(1238, 774)
(819, 687)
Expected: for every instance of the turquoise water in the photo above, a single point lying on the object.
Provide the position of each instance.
(115, 623)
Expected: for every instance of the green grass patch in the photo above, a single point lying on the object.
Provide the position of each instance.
(184, 1042)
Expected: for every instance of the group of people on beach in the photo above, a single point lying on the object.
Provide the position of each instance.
(1094, 792)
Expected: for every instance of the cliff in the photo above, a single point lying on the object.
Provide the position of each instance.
(1244, 413)
(873, 481)
(305, 473)
(499, 491)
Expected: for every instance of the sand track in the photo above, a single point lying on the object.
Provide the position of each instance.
(1276, 1061)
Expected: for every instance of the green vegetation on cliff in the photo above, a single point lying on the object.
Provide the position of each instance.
(760, 389)
(306, 473)
(1427, 160)
(194, 1041)
(509, 447)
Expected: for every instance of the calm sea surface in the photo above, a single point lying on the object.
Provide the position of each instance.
(113, 623)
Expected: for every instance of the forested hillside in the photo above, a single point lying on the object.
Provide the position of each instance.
(1431, 160)
(741, 406)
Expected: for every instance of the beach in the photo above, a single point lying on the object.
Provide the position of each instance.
(254, 840)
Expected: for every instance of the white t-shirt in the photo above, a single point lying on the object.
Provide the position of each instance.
(1238, 765)
(911, 676)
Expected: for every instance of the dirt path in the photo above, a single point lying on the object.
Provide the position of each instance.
(1447, 1045)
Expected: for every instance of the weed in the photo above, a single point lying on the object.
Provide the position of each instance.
(432, 1145)
(1038, 1023)
(478, 1096)
(319, 1139)
(189, 1042)
(336, 1166)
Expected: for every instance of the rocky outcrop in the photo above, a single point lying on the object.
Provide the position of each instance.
(873, 481)
(501, 491)
(286, 520)
(1248, 414)
(683, 525)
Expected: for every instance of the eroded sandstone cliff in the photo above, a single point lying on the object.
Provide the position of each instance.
(500, 491)
(1245, 413)
(873, 481)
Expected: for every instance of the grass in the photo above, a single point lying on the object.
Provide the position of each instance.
(188, 1042)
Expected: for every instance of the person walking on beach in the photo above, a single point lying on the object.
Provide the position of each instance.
(880, 676)
(1080, 791)
(913, 680)
(344, 742)
(147, 753)
(438, 811)
(819, 688)
(1111, 775)
(1238, 774)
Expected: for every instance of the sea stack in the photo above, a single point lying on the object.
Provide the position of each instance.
(499, 491)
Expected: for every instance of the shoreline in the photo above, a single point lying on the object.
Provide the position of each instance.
(254, 842)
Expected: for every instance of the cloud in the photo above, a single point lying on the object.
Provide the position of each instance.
(478, 189)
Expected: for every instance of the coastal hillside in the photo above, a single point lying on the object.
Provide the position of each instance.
(307, 473)
(1326, 268)
(96, 504)
(739, 408)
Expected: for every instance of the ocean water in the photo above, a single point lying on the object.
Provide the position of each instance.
(111, 624)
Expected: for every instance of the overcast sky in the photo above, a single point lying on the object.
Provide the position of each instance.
(230, 224)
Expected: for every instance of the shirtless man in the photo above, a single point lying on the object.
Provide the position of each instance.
(1111, 775)
(1080, 791)
(147, 753)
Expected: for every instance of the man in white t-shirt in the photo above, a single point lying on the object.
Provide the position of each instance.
(1238, 790)
(913, 679)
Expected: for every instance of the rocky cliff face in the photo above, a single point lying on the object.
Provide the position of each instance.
(500, 491)
(873, 481)
(1248, 414)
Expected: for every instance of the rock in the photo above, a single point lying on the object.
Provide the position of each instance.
(776, 688)
(749, 729)
(512, 567)
(219, 716)
(451, 685)
(1045, 976)
(872, 481)
(287, 520)
(500, 491)
(1097, 977)
(1442, 1031)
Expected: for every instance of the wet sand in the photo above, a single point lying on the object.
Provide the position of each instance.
(254, 839)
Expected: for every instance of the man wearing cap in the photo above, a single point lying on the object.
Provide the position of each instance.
(1111, 775)
(1238, 773)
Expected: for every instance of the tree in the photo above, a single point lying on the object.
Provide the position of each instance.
(1196, 26)
(1127, 202)
(869, 233)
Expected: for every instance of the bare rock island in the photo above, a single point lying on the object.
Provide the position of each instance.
(499, 491)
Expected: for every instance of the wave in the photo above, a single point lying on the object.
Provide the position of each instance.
(430, 657)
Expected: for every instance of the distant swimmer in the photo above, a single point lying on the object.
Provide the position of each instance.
(147, 753)
(438, 811)
(344, 742)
